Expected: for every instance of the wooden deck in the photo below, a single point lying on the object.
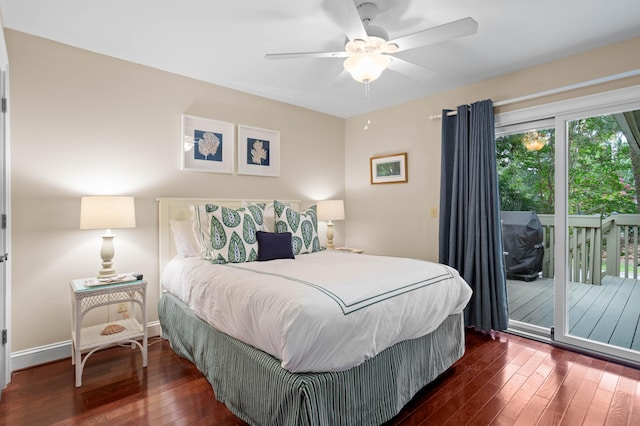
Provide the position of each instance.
(606, 313)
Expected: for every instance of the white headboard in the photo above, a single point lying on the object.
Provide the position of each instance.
(178, 209)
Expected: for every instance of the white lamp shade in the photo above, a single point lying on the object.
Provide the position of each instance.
(331, 210)
(107, 212)
(366, 66)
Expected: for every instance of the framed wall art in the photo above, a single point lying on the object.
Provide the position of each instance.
(258, 151)
(207, 145)
(389, 168)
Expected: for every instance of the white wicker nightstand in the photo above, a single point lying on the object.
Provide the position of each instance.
(85, 298)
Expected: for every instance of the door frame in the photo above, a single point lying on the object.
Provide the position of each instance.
(5, 204)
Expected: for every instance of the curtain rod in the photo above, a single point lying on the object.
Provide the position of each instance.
(554, 91)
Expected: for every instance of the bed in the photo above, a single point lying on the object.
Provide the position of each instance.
(309, 358)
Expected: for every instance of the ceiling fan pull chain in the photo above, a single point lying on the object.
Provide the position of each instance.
(367, 93)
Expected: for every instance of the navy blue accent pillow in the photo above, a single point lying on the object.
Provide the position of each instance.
(272, 245)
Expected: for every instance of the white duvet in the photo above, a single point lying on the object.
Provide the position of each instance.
(325, 311)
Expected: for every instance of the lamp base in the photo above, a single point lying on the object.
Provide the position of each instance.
(330, 245)
(106, 253)
(106, 273)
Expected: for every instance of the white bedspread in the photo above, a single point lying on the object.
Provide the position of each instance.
(325, 311)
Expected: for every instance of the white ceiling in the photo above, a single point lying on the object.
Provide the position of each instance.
(224, 42)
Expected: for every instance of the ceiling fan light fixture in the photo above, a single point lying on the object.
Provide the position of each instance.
(366, 67)
(370, 45)
(376, 35)
(389, 47)
(534, 140)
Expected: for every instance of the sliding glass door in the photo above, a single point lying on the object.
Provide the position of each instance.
(581, 178)
(597, 257)
(526, 163)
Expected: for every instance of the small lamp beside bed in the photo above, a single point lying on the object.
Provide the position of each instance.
(107, 212)
(330, 210)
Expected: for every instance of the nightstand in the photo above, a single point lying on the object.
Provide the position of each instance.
(89, 339)
(350, 250)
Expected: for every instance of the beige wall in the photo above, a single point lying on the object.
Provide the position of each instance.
(83, 124)
(394, 219)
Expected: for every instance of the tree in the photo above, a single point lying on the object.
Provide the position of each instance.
(600, 170)
(525, 178)
(601, 173)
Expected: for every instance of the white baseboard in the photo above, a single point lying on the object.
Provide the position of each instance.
(43, 354)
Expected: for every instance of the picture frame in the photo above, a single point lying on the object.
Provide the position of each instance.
(207, 145)
(389, 169)
(258, 151)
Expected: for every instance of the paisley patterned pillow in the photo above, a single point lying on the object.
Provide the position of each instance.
(228, 235)
(303, 227)
(269, 215)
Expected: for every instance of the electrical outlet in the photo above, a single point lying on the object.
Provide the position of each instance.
(122, 308)
(434, 212)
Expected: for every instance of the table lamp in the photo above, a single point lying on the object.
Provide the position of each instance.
(107, 212)
(330, 210)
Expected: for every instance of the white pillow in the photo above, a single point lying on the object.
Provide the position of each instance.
(269, 218)
(184, 239)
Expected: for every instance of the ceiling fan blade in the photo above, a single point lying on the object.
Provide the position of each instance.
(345, 12)
(339, 80)
(410, 69)
(306, 55)
(460, 28)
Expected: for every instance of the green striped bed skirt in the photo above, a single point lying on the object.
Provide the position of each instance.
(253, 385)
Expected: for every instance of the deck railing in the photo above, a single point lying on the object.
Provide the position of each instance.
(594, 243)
(622, 244)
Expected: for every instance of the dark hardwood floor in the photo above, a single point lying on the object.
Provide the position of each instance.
(501, 380)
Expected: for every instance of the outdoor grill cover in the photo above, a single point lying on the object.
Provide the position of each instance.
(524, 250)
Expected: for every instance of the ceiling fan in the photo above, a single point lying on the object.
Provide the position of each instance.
(368, 50)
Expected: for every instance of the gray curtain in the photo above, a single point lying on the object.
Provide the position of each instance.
(470, 229)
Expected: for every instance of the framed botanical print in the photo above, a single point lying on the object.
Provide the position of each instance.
(258, 151)
(207, 145)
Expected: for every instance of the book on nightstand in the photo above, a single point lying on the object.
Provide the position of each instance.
(350, 250)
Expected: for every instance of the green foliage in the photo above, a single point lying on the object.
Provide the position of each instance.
(600, 174)
(600, 170)
(525, 178)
